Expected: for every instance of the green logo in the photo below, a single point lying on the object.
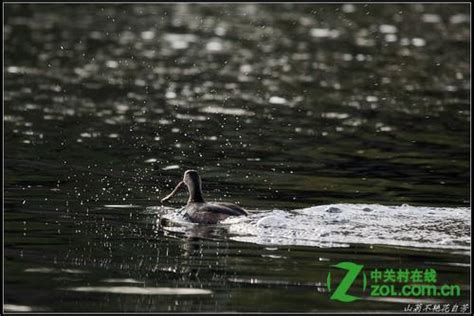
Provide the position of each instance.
(340, 293)
(389, 282)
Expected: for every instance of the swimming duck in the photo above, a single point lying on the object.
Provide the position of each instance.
(197, 209)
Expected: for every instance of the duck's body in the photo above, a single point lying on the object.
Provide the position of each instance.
(212, 213)
(200, 211)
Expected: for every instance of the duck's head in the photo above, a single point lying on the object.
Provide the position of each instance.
(192, 180)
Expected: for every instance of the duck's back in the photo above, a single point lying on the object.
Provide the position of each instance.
(229, 208)
(211, 213)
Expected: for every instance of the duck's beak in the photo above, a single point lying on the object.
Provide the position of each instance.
(169, 196)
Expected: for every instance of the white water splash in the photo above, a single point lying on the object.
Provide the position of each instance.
(342, 225)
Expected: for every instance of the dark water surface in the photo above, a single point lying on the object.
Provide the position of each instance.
(281, 108)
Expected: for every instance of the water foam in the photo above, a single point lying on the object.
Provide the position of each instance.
(342, 225)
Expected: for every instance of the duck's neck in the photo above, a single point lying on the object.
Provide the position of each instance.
(195, 194)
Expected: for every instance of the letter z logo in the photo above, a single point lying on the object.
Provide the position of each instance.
(340, 293)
